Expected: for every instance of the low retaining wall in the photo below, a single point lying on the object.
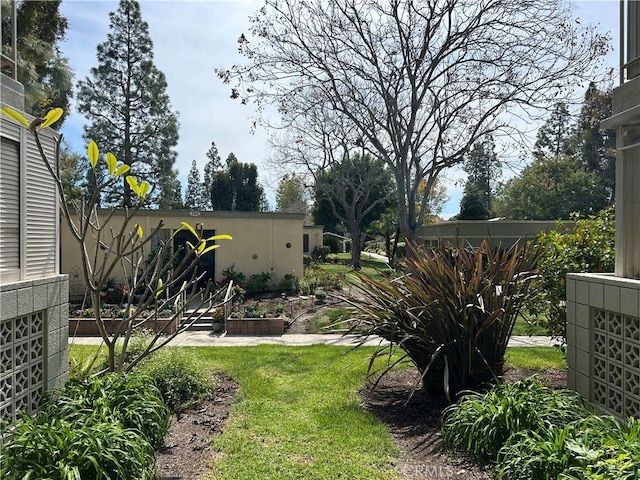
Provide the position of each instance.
(255, 326)
(86, 327)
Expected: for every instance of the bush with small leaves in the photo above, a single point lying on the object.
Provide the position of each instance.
(179, 377)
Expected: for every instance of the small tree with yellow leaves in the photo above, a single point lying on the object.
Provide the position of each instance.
(157, 279)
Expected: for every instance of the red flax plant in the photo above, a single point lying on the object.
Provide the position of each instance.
(451, 314)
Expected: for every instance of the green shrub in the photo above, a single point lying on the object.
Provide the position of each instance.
(452, 313)
(320, 253)
(230, 274)
(589, 248)
(289, 283)
(179, 377)
(132, 400)
(321, 295)
(594, 447)
(56, 448)
(99, 428)
(258, 283)
(482, 423)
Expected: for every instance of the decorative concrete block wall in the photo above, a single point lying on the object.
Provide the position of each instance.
(603, 337)
(34, 333)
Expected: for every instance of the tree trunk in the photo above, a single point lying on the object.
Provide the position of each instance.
(356, 249)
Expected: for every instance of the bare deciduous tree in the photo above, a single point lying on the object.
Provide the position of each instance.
(419, 82)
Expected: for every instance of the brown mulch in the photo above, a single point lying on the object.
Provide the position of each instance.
(187, 445)
(414, 424)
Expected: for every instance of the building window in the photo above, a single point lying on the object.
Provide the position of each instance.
(10, 208)
(305, 243)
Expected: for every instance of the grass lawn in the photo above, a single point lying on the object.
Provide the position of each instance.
(371, 267)
(320, 322)
(298, 414)
(537, 358)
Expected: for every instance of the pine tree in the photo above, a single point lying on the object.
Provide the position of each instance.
(213, 165)
(196, 197)
(129, 111)
(42, 69)
(555, 137)
(483, 171)
(596, 145)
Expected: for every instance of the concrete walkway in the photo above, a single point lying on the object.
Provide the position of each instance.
(206, 339)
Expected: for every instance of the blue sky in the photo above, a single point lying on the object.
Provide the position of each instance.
(191, 38)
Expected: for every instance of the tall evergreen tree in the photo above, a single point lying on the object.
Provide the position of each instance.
(236, 187)
(596, 145)
(555, 138)
(196, 196)
(42, 69)
(125, 100)
(483, 172)
(213, 165)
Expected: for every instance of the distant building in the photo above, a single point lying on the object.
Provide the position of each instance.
(262, 242)
(499, 232)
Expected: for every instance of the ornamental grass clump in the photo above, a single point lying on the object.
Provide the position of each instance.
(451, 314)
(482, 423)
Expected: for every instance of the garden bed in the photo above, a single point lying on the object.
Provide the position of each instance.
(255, 326)
(87, 327)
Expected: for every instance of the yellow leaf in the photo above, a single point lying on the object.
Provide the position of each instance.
(122, 169)
(209, 248)
(219, 237)
(133, 183)
(112, 161)
(52, 117)
(160, 288)
(92, 153)
(200, 247)
(10, 112)
(190, 244)
(139, 230)
(190, 228)
(144, 189)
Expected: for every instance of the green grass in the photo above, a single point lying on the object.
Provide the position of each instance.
(297, 415)
(371, 267)
(536, 358)
(320, 323)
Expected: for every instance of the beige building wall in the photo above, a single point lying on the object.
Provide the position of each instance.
(262, 241)
(314, 236)
(499, 233)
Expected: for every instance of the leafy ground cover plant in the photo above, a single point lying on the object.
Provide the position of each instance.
(451, 313)
(181, 379)
(132, 400)
(42, 447)
(483, 423)
(591, 448)
(98, 428)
